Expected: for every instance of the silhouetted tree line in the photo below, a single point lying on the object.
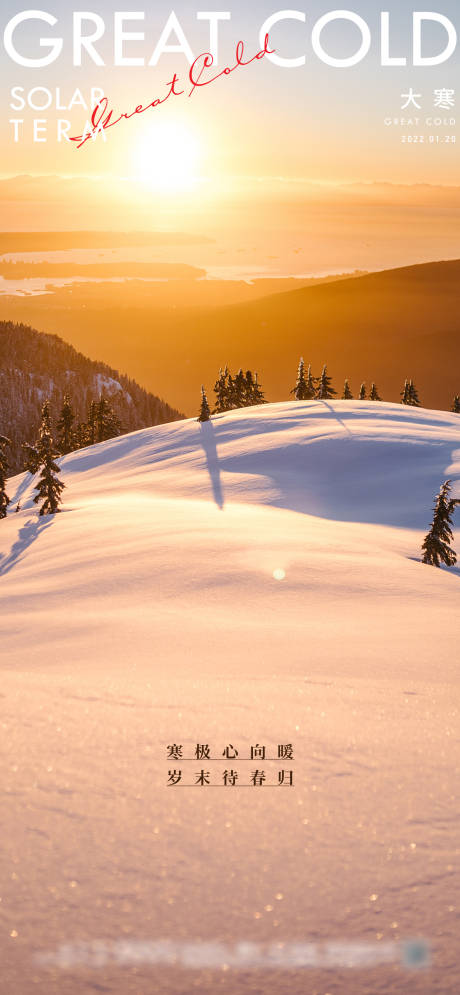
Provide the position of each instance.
(319, 388)
(241, 391)
(244, 390)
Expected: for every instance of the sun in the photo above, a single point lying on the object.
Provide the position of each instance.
(168, 157)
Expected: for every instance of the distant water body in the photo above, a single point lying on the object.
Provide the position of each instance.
(312, 241)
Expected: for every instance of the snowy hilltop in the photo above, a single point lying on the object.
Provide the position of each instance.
(296, 524)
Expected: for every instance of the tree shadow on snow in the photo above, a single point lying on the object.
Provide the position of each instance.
(337, 417)
(208, 441)
(29, 533)
(352, 479)
(20, 491)
(442, 569)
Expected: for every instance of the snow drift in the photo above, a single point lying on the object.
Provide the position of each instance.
(172, 539)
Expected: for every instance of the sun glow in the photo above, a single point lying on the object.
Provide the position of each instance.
(168, 157)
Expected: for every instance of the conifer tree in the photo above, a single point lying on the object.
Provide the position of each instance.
(31, 458)
(239, 390)
(221, 391)
(33, 455)
(405, 393)
(205, 413)
(231, 393)
(81, 435)
(300, 390)
(456, 405)
(64, 427)
(412, 395)
(258, 394)
(49, 486)
(254, 393)
(248, 389)
(91, 425)
(311, 388)
(362, 392)
(347, 395)
(374, 394)
(107, 424)
(436, 547)
(325, 390)
(44, 431)
(4, 499)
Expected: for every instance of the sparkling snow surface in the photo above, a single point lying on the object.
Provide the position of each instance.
(255, 580)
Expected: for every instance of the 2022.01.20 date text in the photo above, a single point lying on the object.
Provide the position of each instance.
(428, 139)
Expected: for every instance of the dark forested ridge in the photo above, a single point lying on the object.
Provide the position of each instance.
(35, 366)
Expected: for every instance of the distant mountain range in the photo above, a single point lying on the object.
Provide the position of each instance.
(383, 326)
(35, 366)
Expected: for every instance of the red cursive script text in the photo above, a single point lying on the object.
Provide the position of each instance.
(103, 118)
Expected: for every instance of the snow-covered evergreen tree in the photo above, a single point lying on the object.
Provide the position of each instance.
(347, 395)
(413, 395)
(4, 499)
(49, 486)
(221, 391)
(33, 455)
(300, 390)
(232, 396)
(374, 394)
(436, 547)
(239, 390)
(65, 431)
(456, 405)
(205, 413)
(325, 390)
(91, 425)
(248, 389)
(311, 385)
(258, 394)
(405, 393)
(107, 423)
(45, 431)
(362, 392)
(31, 458)
(81, 435)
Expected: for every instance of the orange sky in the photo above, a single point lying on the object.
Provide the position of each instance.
(259, 136)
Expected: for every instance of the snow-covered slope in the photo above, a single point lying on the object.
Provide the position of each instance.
(255, 580)
(171, 536)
